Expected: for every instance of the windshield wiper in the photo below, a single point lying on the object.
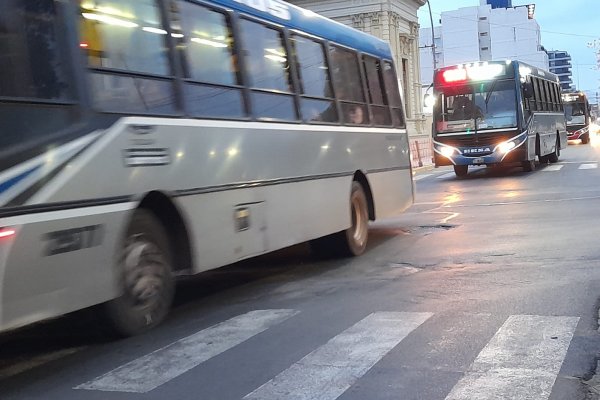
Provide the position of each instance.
(489, 94)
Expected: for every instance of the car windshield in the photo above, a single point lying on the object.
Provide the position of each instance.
(575, 113)
(492, 104)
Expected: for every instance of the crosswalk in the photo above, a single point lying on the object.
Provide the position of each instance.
(521, 361)
(591, 165)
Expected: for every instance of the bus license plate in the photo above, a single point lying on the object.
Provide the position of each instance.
(478, 161)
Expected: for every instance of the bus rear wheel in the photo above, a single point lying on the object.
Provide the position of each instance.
(146, 278)
(351, 241)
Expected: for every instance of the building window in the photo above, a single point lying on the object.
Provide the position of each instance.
(483, 34)
(482, 18)
(485, 48)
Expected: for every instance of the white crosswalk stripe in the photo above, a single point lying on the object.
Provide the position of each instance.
(588, 166)
(520, 362)
(555, 167)
(149, 372)
(330, 370)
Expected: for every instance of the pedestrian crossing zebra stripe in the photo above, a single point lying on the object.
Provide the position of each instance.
(520, 362)
(588, 166)
(148, 372)
(447, 175)
(330, 370)
(550, 168)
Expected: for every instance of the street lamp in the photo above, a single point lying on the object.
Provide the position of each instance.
(432, 36)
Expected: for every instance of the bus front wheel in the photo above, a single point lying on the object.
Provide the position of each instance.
(461, 170)
(528, 165)
(147, 282)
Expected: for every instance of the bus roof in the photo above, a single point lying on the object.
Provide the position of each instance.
(294, 17)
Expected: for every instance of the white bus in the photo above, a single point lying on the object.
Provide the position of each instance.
(148, 139)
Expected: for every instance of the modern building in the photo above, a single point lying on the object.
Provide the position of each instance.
(560, 64)
(482, 33)
(396, 22)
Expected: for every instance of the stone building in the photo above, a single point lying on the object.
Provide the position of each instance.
(394, 21)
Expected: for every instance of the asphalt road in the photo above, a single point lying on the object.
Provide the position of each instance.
(487, 288)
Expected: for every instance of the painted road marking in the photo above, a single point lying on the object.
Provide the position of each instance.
(520, 362)
(149, 372)
(419, 177)
(588, 166)
(556, 167)
(331, 369)
(448, 175)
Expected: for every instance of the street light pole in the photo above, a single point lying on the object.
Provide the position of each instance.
(432, 36)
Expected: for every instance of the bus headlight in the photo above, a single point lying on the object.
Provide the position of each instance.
(447, 151)
(505, 147)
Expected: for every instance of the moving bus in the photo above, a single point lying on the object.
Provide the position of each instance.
(491, 113)
(577, 113)
(147, 139)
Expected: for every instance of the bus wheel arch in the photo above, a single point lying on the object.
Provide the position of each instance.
(170, 217)
(361, 178)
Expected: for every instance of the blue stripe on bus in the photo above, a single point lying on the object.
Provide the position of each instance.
(317, 25)
(16, 179)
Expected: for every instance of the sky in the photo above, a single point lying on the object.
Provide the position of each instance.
(565, 25)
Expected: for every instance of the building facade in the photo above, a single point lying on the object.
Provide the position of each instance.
(560, 64)
(394, 21)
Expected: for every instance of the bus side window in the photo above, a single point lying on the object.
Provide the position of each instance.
(30, 55)
(377, 100)
(36, 92)
(393, 94)
(126, 49)
(268, 71)
(205, 46)
(348, 86)
(316, 101)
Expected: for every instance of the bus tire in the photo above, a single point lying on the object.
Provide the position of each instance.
(553, 157)
(146, 277)
(528, 165)
(461, 170)
(585, 139)
(351, 241)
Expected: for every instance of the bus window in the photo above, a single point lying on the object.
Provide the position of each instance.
(379, 108)
(267, 68)
(393, 94)
(348, 86)
(315, 85)
(126, 37)
(205, 45)
(30, 52)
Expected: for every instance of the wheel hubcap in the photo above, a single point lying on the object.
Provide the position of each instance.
(144, 269)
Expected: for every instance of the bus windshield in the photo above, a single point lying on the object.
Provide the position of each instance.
(575, 113)
(491, 105)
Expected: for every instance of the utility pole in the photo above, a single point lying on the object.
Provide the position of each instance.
(595, 44)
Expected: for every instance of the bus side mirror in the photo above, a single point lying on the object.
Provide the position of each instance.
(527, 90)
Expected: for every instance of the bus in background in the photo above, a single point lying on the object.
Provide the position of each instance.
(577, 113)
(490, 113)
(148, 139)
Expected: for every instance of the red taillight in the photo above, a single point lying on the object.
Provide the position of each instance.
(7, 232)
